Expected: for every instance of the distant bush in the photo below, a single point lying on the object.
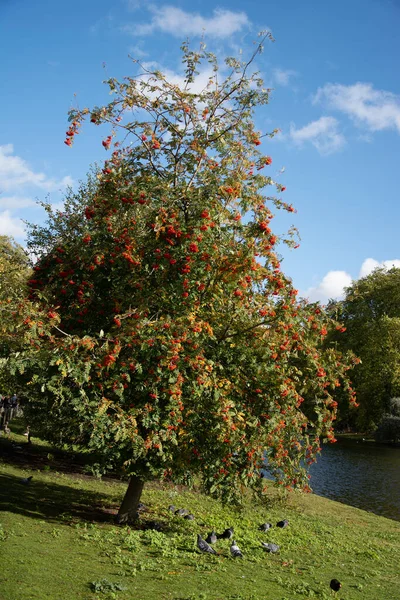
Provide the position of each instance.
(394, 407)
(388, 430)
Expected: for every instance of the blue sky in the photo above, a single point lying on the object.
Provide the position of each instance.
(336, 100)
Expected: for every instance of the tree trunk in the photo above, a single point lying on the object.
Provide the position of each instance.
(128, 508)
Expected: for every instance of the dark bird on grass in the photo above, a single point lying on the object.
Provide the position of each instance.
(172, 508)
(154, 525)
(235, 550)
(211, 538)
(270, 547)
(227, 534)
(141, 506)
(181, 512)
(335, 585)
(265, 527)
(203, 546)
(189, 517)
(27, 480)
(283, 523)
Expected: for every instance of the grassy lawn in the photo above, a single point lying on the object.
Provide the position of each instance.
(58, 541)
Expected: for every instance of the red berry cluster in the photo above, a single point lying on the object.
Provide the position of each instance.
(107, 142)
(73, 130)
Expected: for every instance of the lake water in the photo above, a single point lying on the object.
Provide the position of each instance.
(362, 474)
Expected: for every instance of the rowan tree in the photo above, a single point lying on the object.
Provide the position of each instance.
(174, 346)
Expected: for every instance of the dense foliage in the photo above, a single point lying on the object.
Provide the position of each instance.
(174, 345)
(14, 273)
(371, 315)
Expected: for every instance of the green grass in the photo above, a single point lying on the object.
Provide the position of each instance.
(58, 542)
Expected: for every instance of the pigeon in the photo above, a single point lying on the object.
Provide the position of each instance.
(172, 508)
(141, 506)
(203, 546)
(270, 547)
(154, 525)
(283, 523)
(211, 538)
(181, 511)
(235, 550)
(335, 585)
(189, 517)
(27, 480)
(265, 527)
(227, 534)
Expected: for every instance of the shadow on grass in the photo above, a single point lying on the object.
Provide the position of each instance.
(18, 452)
(54, 502)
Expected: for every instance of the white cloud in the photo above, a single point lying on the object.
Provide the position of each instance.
(331, 286)
(11, 226)
(175, 21)
(377, 109)
(137, 52)
(102, 23)
(323, 134)
(133, 5)
(15, 173)
(200, 83)
(15, 202)
(197, 86)
(370, 264)
(282, 77)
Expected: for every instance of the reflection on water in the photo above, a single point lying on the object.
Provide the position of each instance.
(362, 474)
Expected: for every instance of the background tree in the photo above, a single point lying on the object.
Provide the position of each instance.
(370, 313)
(14, 274)
(173, 344)
(388, 430)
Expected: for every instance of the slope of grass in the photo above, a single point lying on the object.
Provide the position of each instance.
(58, 541)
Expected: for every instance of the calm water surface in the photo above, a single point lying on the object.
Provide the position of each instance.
(362, 474)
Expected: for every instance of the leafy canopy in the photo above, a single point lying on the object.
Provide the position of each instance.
(370, 312)
(14, 272)
(174, 345)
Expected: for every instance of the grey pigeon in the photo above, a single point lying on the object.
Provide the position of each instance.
(227, 534)
(235, 550)
(283, 523)
(265, 527)
(189, 517)
(203, 546)
(270, 547)
(211, 538)
(181, 511)
(27, 480)
(141, 506)
(172, 508)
